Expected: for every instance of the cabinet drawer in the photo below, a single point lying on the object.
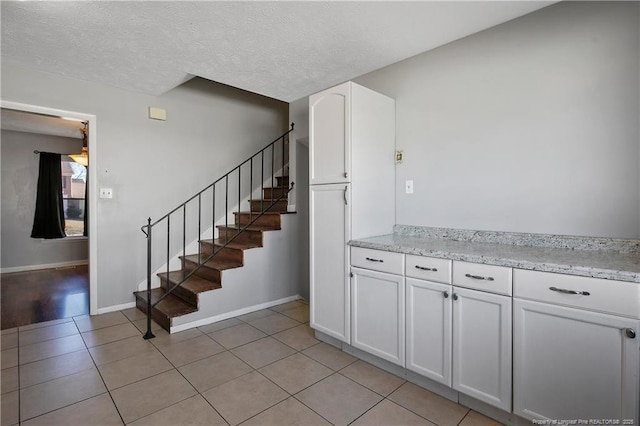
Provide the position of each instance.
(378, 260)
(495, 279)
(428, 268)
(616, 297)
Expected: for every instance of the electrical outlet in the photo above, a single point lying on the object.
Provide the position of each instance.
(106, 193)
(409, 187)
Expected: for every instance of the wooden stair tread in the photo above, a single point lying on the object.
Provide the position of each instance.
(213, 263)
(232, 245)
(194, 283)
(171, 306)
(253, 227)
(255, 213)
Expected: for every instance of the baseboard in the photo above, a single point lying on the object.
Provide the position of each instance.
(116, 308)
(227, 315)
(26, 268)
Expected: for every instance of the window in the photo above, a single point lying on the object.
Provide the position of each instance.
(74, 182)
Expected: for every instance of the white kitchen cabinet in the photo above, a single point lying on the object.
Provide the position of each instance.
(482, 346)
(378, 319)
(428, 324)
(330, 131)
(352, 144)
(461, 337)
(329, 287)
(576, 349)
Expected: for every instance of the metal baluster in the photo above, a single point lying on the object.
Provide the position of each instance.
(273, 150)
(251, 189)
(262, 182)
(199, 223)
(168, 242)
(148, 334)
(184, 230)
(282, 172)
(239, 183)
(226, 209)
(213, 214)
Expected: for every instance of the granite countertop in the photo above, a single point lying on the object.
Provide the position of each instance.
(619, 261)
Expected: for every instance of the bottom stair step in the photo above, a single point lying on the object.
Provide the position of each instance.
(170, 307)
(188, 290)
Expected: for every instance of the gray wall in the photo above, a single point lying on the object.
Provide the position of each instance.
(151, 165)
(302, 209)
(530, 126)
(19, 174)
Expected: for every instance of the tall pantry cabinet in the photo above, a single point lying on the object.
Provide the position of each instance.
(351, 191)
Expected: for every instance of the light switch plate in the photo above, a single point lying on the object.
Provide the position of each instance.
(409, 187)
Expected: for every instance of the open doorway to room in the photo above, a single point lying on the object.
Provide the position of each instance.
(45, 276)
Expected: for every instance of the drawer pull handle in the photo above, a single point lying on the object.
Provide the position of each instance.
(446, 294)
(478, 277)
(565, 291)
(455, 296)
(371, 259)
(424, 268)
(631, 333)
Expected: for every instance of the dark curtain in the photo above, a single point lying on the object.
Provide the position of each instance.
(48, 221)
(86, 204)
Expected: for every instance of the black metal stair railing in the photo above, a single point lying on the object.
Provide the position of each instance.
(147, 229)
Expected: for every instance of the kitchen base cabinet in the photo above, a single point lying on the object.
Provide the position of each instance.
(378, 314)
(428, 324)
(482, 346)
(574, 364)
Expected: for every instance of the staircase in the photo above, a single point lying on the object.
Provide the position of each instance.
(184, 299)
(179, 291)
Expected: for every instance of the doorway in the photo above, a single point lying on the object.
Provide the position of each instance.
(69, 275)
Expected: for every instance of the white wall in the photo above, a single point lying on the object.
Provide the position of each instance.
(530, 126)
(19, 173)
(151, 165)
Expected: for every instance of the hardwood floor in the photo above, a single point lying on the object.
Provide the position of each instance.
(44, 295)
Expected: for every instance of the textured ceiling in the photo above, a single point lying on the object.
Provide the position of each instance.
(284, 50)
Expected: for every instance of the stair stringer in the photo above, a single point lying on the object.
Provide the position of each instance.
(208, 233)
(269, 275)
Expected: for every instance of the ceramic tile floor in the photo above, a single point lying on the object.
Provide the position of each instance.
(262, 368)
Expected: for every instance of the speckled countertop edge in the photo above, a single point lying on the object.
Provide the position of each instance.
(607, 264)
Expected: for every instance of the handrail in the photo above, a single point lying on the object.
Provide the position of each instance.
(220, 179)
(147, 229)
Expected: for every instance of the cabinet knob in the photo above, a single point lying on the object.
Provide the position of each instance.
(631, 333)
(446, 294)
(455, 296)
(346, 175)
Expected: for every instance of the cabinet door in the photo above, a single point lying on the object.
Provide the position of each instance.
(378, 314)
(574, 364)
(482, 346)
(429, 329)
(329, 261)
(329, 134)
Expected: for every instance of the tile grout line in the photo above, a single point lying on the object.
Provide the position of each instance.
(102, 378)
